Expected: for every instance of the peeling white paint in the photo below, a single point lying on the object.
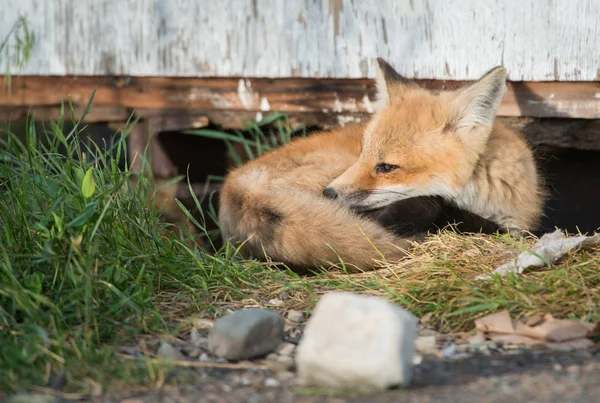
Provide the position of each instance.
(536, 40)
(366, 102)
(264, 104)
(343, 120)
(210, 96)
(337, 105)
(245, 93)
(259, 116)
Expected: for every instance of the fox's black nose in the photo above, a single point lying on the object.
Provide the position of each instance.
(330, 193)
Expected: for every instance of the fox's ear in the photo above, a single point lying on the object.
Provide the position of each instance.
(386, 77)
(477, 104)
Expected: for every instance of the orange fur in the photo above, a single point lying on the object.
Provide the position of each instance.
(419, 143)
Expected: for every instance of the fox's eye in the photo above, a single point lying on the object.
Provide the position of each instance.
(385, 168)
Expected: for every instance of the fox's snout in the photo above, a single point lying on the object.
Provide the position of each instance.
(330, 193)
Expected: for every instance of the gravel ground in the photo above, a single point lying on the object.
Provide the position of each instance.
(530, 375)
(448, 368)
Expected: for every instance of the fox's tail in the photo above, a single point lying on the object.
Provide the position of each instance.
(300, 228)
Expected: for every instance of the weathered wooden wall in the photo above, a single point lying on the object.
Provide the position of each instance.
(536, 40)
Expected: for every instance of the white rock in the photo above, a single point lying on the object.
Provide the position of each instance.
(357, 342)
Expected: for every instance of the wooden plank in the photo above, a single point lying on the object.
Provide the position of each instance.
(100, 113)
(537, 40)
(291, 95)
(140, 137)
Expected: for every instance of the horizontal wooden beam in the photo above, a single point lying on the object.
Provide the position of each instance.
(261, 95)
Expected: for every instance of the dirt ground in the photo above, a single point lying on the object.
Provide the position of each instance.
(526, 376)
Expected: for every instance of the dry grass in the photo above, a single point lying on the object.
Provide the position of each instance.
(438, 280)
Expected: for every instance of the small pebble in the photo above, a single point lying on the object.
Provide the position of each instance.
(203, 323)
(272, 357)
(221, 360)
(197, 340)
(276, 366)
(170, 353)
(272, 383)
(194, 353)
(286, 361)
(204, 357)
(484, 349)
(285, 348)
(450, 350)
(285, 376)
(295, 316)
(277, 302)
(426, 343)
(478, 338)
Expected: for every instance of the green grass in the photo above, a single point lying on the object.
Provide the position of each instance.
(86, 265)
(83, 260)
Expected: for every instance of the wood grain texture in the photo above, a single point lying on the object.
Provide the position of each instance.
(536, 40)
(291, 95)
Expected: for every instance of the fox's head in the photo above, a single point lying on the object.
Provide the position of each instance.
(420, 142)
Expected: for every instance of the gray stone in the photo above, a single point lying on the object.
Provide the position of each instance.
(246, 334)
(357, 342)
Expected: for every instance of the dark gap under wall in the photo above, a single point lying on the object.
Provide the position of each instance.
(571, 176)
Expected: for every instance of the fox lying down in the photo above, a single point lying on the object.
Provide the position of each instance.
(361, 193)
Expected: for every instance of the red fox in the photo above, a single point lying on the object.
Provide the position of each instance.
(337, 196)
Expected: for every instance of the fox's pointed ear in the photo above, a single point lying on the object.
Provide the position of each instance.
(386, 76)
(477, 104)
